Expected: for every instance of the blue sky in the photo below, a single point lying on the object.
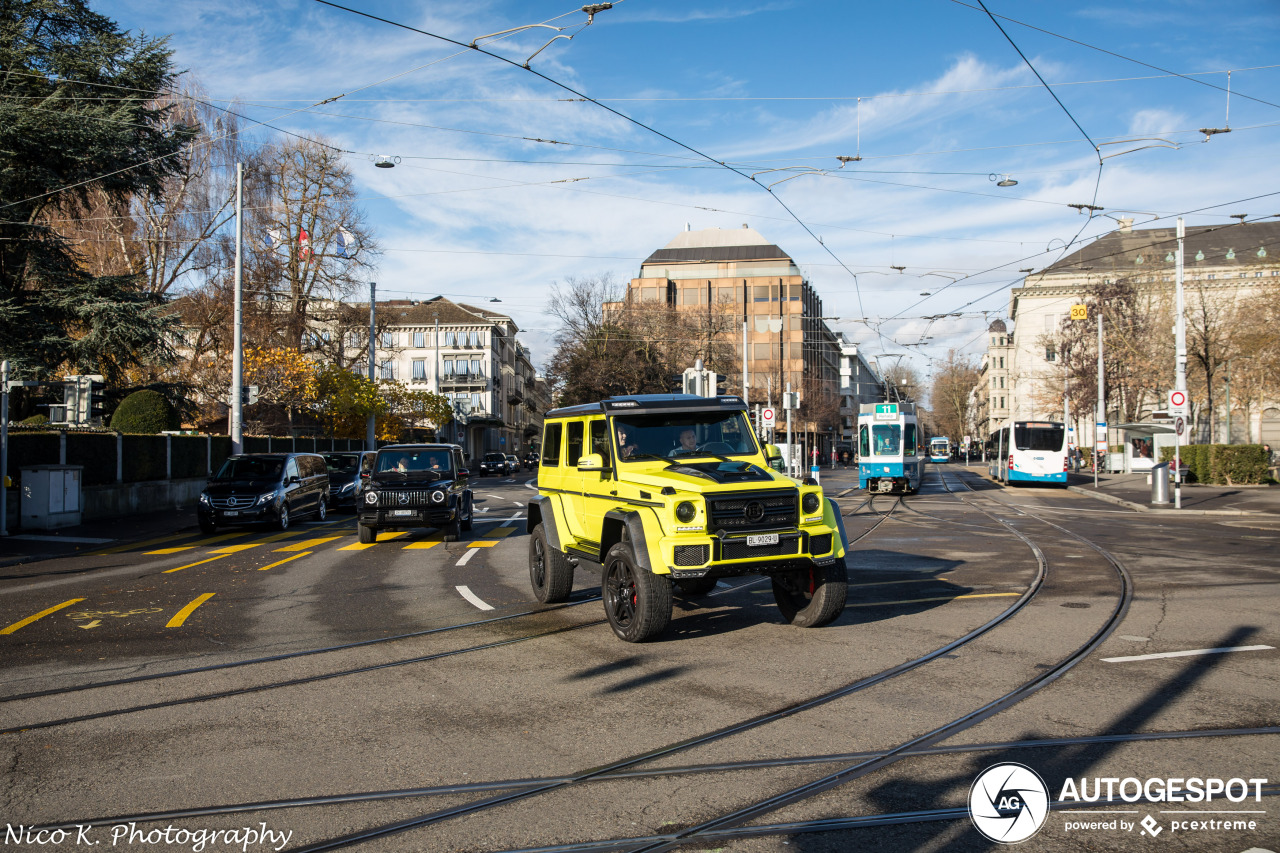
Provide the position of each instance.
(930, 94)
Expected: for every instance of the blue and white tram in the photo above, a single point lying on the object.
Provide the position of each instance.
(889, 459)
(1031, 452)
(939, 449)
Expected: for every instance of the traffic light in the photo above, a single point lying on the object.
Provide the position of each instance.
(248, 394)
(97, 398)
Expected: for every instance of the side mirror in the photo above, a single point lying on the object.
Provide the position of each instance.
(291, 480)
(772, 452)
(591, 462)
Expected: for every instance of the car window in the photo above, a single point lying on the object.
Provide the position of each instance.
(341, 463)
(366, 463)
(291, 468)
(250, 468)
(551, 445)
(600, 440)
(573, 443)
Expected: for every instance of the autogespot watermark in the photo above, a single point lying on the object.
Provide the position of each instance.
(242, 838)
(1009, 803)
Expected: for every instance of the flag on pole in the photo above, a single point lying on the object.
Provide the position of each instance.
(346, 243)
(304, 245)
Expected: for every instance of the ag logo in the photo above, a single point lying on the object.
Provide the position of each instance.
(1008, 803)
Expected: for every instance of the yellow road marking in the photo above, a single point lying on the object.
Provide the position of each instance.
(483, 543)
(173, 550)
(307, 543)
(43, 613)
(235, 549)
(146, 544)
(422, 546)
(285, 560)
(189, 565)
(500, 533)
(382, 537)
(938, 598)
(181, 615)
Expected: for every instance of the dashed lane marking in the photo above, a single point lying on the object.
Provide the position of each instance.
(235, 549)
(285, 560)
(501, 532)
(422, 546)
(473, 598)
(482, 543)
(1188, 653)
(471, 552)
(22, 623)
(196, 563)
(181, 615)
(382, 537)
(306, 543)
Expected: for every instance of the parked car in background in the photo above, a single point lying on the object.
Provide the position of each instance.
(513, 464)
(264, 488)
(348, 472)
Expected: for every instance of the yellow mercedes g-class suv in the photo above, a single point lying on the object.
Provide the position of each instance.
(663, 489)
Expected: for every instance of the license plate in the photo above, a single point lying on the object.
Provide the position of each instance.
(231, 512)
(757, 539)
(401, 513)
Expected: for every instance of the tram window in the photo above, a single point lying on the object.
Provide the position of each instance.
(910, 449)
(887, 439)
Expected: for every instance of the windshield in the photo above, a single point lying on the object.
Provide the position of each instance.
(1048, 436)
(887, 439)
(685, 434)
(342, 463)
(494, 457)
(414, 462)
(250, 469)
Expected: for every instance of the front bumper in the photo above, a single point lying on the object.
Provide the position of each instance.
(414, 517)
(251, 515)
(731, 556)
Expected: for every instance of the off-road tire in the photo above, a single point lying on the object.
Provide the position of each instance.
(367, 534)
(636, 601)
(471, 515)
(550, 572)
(453, 528)
(696, 586)
(812, 597)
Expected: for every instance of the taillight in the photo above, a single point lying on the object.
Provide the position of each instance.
(1010, 461)
(1066, 463)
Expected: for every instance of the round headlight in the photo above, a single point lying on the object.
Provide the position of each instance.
(685, 511)
(437, 497)
(371, 498)
(811, 503)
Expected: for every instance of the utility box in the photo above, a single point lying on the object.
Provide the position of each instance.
(51, 496)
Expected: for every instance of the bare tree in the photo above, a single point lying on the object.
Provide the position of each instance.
(949, 397)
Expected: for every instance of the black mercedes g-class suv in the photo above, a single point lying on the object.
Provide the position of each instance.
(416, 485)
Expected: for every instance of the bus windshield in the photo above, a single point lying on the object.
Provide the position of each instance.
(1042, 436)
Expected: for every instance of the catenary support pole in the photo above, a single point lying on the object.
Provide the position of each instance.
(237, 355)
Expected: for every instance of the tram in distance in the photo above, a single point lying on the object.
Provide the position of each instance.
(1030, 452)
(889, 456)
(939, 449)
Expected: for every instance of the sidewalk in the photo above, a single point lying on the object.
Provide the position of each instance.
(1134, 491)
(25, 546)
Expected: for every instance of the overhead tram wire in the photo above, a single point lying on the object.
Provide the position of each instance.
(1112, 53)
(615, 112)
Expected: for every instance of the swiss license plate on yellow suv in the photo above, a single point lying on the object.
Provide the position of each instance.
(757, 539)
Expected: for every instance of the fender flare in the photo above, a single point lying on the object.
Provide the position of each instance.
(839, 526)
(633, 523)
(542, 511)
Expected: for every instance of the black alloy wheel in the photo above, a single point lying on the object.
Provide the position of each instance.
(636, 601)
(550, 572)
(283, 521)
(811, 597)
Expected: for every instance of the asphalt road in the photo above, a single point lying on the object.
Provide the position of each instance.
(412, 694)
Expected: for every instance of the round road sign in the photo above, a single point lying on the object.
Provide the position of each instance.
(767, 416)
(1177, 399)
(1179, 424)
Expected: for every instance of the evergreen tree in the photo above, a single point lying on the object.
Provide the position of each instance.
(78, 115)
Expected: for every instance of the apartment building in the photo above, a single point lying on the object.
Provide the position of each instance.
(765, 301)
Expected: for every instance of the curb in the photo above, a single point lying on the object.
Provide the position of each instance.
(1102, 496)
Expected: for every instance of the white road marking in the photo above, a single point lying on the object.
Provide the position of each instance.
(495, 497)
(532, 484)
(1188, 653)
(482, 509)
(471, 552)
(517, 503)
(471, 596)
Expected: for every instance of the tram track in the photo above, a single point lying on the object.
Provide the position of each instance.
(865, 763)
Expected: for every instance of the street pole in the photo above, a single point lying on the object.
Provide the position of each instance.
(370, 432)
(744, 360)
(790, 451)
(1100, 445)
(237, 355)
(4, 447)
(1180, 364)
(1227, 438)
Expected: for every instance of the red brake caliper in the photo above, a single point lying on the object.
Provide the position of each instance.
(813, 581)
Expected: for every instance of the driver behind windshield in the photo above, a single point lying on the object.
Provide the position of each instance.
(688, 442)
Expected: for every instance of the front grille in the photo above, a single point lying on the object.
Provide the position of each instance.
(738, 549)
(754, 510)
(820, 544)
(403, 499)
(691, 555)
(234, 502)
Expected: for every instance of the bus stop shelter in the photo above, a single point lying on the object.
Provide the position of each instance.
(1142, 444)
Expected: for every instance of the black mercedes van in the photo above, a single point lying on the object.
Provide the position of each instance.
(265, 488)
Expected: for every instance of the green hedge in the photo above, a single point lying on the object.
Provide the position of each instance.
(96, 451)
(146, 412)
(1222, 464)
(27, 449)
(189, 456)
(144, 458)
